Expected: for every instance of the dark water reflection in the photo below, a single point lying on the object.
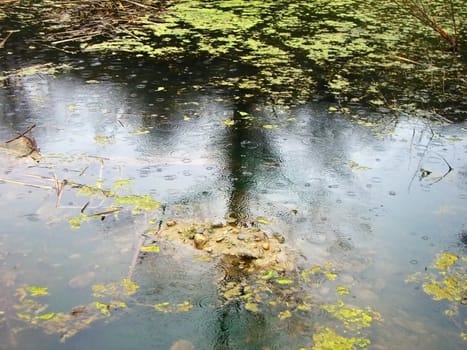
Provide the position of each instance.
(339, 189)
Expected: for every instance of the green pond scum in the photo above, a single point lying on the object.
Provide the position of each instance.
(137, 203)
(328, 339)
(364, 52)
(446, 282)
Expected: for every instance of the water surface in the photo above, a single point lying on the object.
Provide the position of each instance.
(377, 195)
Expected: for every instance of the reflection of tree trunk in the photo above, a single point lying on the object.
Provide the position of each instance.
(248, 147)
(238, 165)
(223, 333)
(250, 326)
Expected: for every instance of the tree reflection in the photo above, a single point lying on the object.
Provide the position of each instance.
(247, 148)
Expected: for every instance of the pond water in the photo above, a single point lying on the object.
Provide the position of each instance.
(375, 198)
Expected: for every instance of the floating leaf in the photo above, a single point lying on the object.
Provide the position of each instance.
(232, 292)
(163, 307)
(253, 307)
(341, 290)
(229, 122)
(118, 305)
(270, 274)
(330, 275)
(355, 166)
(282, 280)
(145, 202)
(130, 286)
(304, 307)
(352, 317)
(185, 306)
(76, 222)
(36, 291)
(327, 339)
(261, 220)
(46, 316)
(445, 260)
(450, 288)
(99, 290)
(140, 131)
(150, 249)
(270, 126)
(284, 314)
(122, 183)
(103, 140)
(103, 308)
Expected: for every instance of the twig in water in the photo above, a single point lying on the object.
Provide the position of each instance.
(59, 185)
(26, 184)
(134, 261)
(22, 134)
(3, 42)
(84, 207)
(446, 173)
(421, 157)
(139, 4)
(83, 171)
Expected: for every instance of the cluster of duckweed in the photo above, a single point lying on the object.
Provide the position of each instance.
(297, 47)
(445, 281)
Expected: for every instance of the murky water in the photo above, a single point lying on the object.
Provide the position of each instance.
(378, 197)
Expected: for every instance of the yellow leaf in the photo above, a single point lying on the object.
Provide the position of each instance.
(185, 306)
(341, 290)
(46, 316)
(253, 307)
(445, 260)
(163, 307)
(270, 126)
(284, 281)
(103, 308)
(36, 291)
(150, 249)
(130, 286)
(270, 274)
(229, 122)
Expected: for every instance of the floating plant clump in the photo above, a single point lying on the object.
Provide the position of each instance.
(291, 52)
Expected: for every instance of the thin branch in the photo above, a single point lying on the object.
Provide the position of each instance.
(26, 184)
(22, 134)
(3, 42)
(446, 173)
(84, 207)
(139, 4)
(453, 19)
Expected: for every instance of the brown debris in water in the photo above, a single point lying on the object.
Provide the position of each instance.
(24, 145)
(248, 250)
(75, 22)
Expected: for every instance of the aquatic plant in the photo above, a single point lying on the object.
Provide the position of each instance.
(445, 282)
(290, 52)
